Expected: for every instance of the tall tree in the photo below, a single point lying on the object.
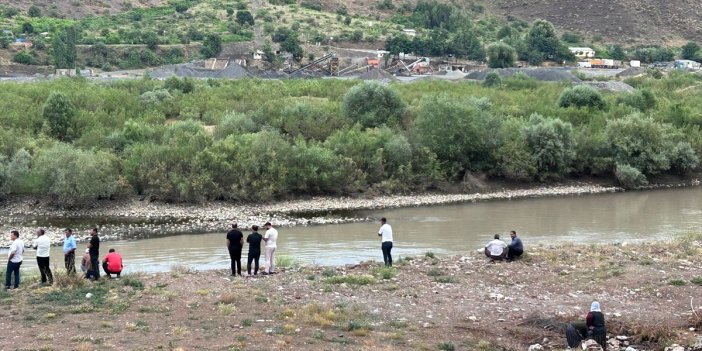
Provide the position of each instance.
(64, 47)
(501, 55)
(211, 45)
(543, 43)
(466, 44)
(58, 112)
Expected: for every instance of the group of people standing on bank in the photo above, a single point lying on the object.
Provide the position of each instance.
(235, 244)
(111, 264)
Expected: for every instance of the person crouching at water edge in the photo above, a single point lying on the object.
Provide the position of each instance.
(385, 234)
(496, 250)
(112, 264)
(515, 249)
(270, 238)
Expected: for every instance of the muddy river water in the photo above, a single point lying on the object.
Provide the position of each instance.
(444, 230)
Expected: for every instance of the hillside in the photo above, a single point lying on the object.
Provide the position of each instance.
(80, 9)
(624, 21)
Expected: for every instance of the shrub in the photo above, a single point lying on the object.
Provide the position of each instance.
(58, 111)
(244, 17)
(184, 85)
(24, 58)
(14, 173)
(629, 177)
(74, 175)
(683, 158)
(372, 104)
(211, 45)
(155, 97)
(492, 79)
(501, 55)
(551, 144)
(643, 100)
(235, 123)
(639, 142)
(351, 279)
(582, 96)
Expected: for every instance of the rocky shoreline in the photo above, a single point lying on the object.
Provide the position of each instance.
(136, 218)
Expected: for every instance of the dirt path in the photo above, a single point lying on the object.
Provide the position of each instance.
(425, 303)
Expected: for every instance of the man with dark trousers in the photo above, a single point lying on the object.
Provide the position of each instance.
(94, 250)
(235, 242)
(43, 245)
(69, 251)
(254, 239)
(385, 234)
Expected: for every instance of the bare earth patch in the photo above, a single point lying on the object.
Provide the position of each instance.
(647, 292)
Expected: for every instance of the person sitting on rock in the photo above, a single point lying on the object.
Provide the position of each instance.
(85, 265)
(515, 249)
(496, 250)
(112, 264)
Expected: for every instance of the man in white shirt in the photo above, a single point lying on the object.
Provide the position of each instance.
(385, 233)
(270, 238)
(496, 249)
(43, 245)
(14, 260)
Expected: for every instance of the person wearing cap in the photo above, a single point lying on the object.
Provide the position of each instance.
(14, 260)
(271, 237)
(496, 250)
(235, 242)
(112, 264)
(69, 251)
(85, 262)
(43, 245)
(385, 234)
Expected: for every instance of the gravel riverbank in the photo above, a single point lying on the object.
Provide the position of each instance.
(135, 219)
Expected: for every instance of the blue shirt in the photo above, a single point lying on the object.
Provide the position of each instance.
(517, 244)
(69, 244)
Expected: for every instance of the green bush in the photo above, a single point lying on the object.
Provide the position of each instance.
(373, 104)
(551, 144)
(582, 96)
(643, 100)
(501, 55)
(629, 177)
(235, 123)
(683, 158)
(24, 58)
(492, 79)
(73, 175)
(639, 142)
(58, 112)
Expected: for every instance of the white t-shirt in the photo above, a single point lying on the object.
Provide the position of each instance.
(496, 247)
(17, 247)
(386, 232)
(272, 236)
(42, 244)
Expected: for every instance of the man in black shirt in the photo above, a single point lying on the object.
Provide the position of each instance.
(235, 241)
(94, 251)
(254, 239)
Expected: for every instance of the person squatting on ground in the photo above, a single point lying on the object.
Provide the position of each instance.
(595, 321)
(496, 250)
(94, 250)
(14, 260)
(254, 239)
(385, 234)
(515, 249)
(270, 238)
(235, 243)
(43, 245)
(69, 251)
(112, 264)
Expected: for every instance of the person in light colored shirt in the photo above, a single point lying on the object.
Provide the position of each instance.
(85, 264)
(69, 251)
(496, 249)
(14, 260)
(385, 234)
(271, 237)
(43, 245)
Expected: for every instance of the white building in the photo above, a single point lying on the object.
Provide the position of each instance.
(582, 53)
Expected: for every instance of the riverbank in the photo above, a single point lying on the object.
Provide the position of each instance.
(649, 294)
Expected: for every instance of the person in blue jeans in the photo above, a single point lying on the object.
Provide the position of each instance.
(385, 233)
(14, 260)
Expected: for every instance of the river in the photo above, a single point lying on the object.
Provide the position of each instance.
(444, 230)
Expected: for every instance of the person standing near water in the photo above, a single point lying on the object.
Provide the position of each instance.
(254, 240)
(14, 260)
(385, 233)
(270, 238)
(42, 244)
(94, 250)
(69, 251)
(235, 242)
